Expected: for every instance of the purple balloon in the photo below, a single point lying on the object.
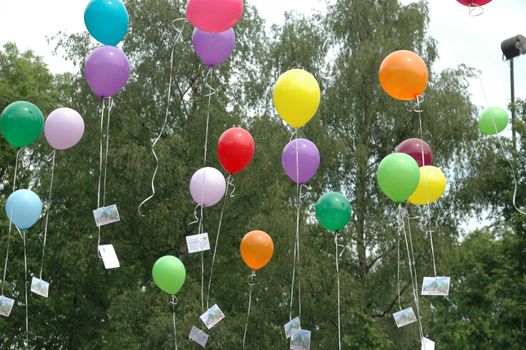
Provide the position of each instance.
(308, 160)
(64, 128)
(413, 147)
(107, 70)
(207, 186)
(213, 48)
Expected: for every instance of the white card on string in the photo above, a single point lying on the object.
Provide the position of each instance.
(198, 336)
(109, 257)
(6, 305)
(212, 316)
(197, 243)
(404, 317)
(39, 287)
(106, 215)
(292, 325)
(436, 286)
(300, 340)
(427, 344)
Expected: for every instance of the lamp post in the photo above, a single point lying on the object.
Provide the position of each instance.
(511, 48)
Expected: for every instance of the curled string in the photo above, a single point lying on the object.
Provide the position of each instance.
(503, 150)
(475, 9)
(324, 74)
(48, 206)
(165, 122)
(100, 170)
(23, 235)
(414, 281)
(428, 207)
(337, 258)
(195, 216)
(174, 302)
(10, 222)
(251, 283)
(228, 183)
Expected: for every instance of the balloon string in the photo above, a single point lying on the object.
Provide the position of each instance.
(251, 282)
(337, 257)
(165, 122)
(110, 106)
(475, 10)
(211, 91)
(296, 259)
(200, 230)
(47, 211)
(414, 281)
(23, 234)
(398, 258)
(100, 169)
(10, 223)
(228, 183)
(174, 303)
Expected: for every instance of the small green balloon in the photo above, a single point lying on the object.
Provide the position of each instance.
(333, 211)
(21, 123)
(169, 274)
(493, 120)
(398, 176)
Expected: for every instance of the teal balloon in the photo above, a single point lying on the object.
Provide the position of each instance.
(107, 21)
(398, 176)
(21, 123)
(493, 120)
(333, 211)
(169, 274)
(23, 208)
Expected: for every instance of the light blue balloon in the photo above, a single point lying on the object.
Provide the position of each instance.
(23, 208)
(107, 21)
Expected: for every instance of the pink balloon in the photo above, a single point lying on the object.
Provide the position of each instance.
(474, 2)
(64, 128)
(214, 15)
(207, 186)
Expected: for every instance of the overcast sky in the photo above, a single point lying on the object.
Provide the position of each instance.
(474, 41)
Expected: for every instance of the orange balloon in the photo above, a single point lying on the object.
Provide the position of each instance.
(256, 249)
(403, 75)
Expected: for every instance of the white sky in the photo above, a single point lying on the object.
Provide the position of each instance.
(474, 41)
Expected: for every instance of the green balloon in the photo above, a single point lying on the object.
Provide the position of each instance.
(21, 123)
(491, 115)
(333, 211)
(169, 274)
(398, 176)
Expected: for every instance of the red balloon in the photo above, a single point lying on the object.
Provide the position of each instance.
(413, 147)
(474, 2)
(235, 149)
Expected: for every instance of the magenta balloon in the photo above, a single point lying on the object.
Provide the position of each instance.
(64, 128)
(107, 70)
(413, 147)
(474, 2)
(308, 158)
(213, 48)
(207, 186)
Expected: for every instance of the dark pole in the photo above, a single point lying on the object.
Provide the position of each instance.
(512, 83)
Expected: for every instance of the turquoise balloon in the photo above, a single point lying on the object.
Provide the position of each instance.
(23, 208)
(333, 211)
(107, 21)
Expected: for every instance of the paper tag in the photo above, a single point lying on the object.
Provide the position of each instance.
(197, 243)
(212, 317)
(6, 305)
(39, 287)
(427, 344)
(292, 325)
(404, 317)
(106, 215)
(300, 340)
(109, 257)
(198, 336)
(436, 286)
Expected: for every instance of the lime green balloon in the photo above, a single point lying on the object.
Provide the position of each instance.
(398, 176)
(493, 120)
(21, 123)
(333, 211)
(169, 274)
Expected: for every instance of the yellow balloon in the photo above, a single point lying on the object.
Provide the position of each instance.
(296, 97)
(431, 186)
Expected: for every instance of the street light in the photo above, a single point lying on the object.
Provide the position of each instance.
(511, 48)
